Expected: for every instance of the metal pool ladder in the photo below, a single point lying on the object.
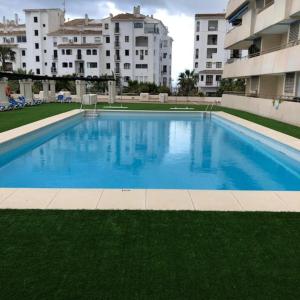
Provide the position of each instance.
(209, 109)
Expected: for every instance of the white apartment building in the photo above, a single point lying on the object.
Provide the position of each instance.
(270, 32)
(209, 53)
(132, 46)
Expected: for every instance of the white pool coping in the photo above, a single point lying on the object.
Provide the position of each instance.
(144, 199)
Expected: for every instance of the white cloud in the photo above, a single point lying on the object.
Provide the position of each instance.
(181, 28)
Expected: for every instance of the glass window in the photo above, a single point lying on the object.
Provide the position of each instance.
(211, 51)
(213, 25)
(138, 25)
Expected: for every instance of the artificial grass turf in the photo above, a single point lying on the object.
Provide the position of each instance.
(149, 255)
(13, 119)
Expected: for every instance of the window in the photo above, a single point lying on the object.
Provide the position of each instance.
(127, 66)
(108, 66)
(36, 33)
(45, 38)
(107, 53)
(197, 37)
(165, 69)
(210, 52)
(92, 65)
(209, 65)
(126, 38)
(64, 64)
(68, 52)
(202, 78)
(35, 19)
(45, 51)
(37, 46)
(197, 54)
(141, 41)
(212, 39)
(95, 52)
(24, 65)
(63, 51)
(198, 26)
(141, 66)
(84, 40)
(126, 52)
(70, 65)
(44, 25)
(89, 52)
(209, 79)
(106, 26)
(146, 52)
(23, 52)
(21, 39)
(64, 39)
(218, 78)
(138, 25)
(218, 65)
(107, 39)
(37, 58)
(289, 83)
(165, 55)
(46, 64)
(137, 52)
(196, 65)
(38, 71)
(213, 25)
(75, 39)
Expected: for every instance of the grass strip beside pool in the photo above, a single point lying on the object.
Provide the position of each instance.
(149, 255)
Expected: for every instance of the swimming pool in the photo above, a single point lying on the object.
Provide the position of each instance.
(152, 151)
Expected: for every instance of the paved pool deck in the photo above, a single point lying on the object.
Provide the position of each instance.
(189, 200)
(110, 199)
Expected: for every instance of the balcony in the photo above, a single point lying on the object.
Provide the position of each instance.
(237, 37)
(233, 5)
(262, 63)
(295, 8)
(270, 15)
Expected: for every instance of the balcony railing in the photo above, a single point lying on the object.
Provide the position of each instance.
(259, 10)
(270, 50)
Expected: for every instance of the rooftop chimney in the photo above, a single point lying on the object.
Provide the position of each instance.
(137, 10)
(86, 20)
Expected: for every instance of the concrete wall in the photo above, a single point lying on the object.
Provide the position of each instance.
(288, 112)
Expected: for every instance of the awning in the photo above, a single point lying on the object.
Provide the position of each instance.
(239, 13)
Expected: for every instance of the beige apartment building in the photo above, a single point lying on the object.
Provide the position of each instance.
(270, 32)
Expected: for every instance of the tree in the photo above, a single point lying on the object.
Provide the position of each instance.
(6, 53)
(231, 85)
(187, 83)
(135, 87)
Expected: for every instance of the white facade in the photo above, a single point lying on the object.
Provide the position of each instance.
(131, 46)
(209, 53)
(269, 30)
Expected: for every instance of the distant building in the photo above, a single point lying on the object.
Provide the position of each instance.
(132, 46)
(269, 31)
(209, 53)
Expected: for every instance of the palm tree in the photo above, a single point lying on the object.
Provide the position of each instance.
(187, 83)
(6, 53)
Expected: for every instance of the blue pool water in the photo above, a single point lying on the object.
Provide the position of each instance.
(157, 151)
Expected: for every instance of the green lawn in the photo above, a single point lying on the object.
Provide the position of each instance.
(149, 255)
(13, 119)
